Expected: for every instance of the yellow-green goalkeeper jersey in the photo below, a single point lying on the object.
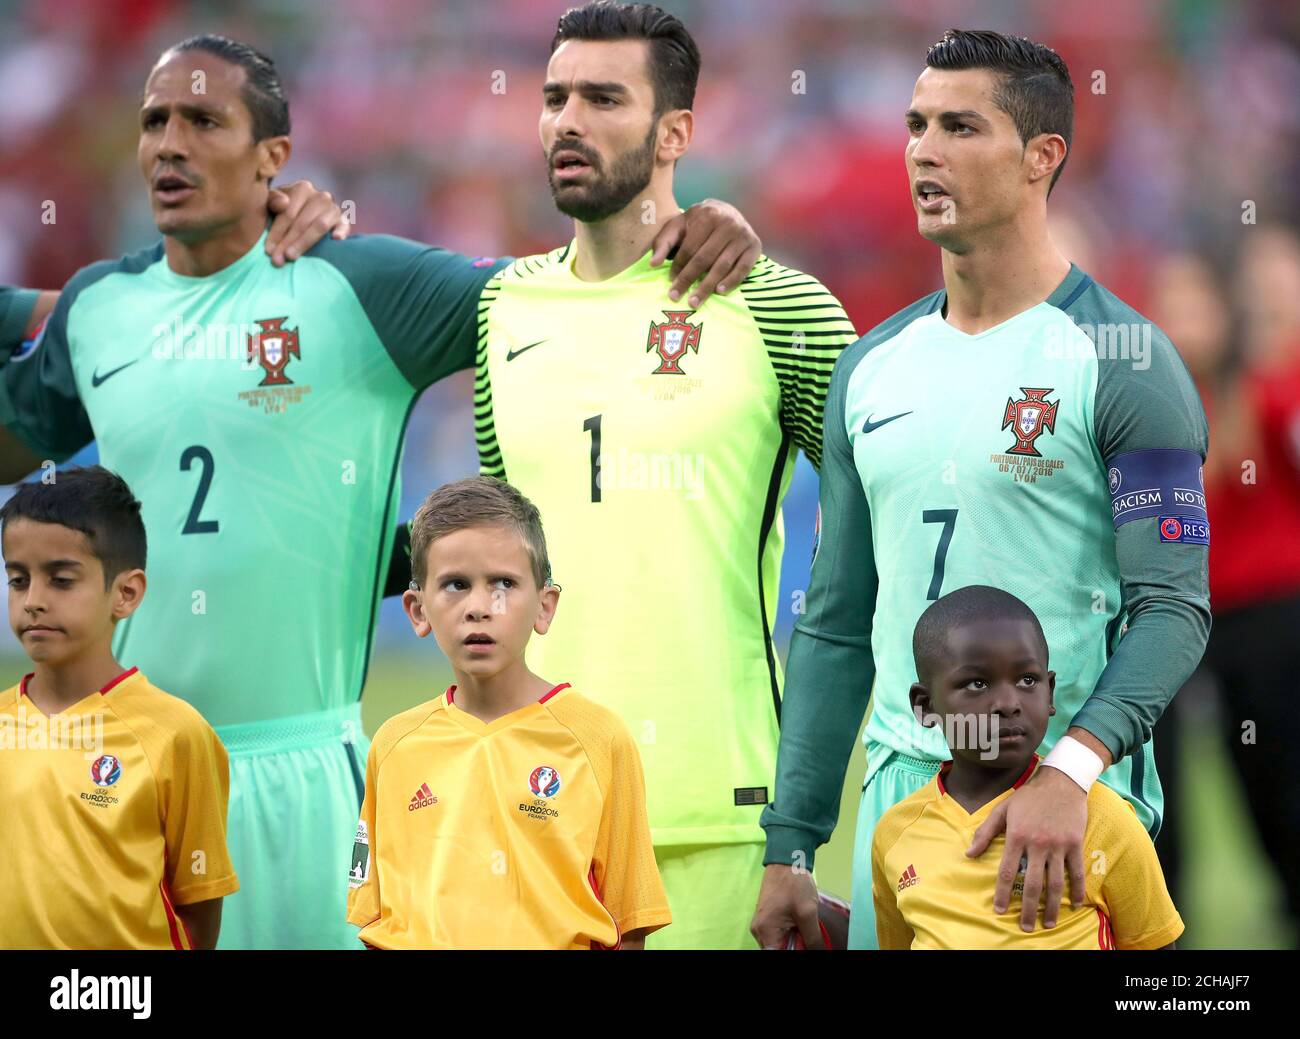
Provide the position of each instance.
(658, 442)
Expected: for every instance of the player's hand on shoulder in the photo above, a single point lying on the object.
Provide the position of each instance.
(715, 246)
(787, 902)
(1044, 822)
(302, 215)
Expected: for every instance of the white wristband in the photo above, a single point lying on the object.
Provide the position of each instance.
(1074, 759)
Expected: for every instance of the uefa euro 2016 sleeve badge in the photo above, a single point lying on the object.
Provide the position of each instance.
(359, 872)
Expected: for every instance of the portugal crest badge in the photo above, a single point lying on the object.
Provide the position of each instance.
(671, 339)
(272, 348)
(1029, 418)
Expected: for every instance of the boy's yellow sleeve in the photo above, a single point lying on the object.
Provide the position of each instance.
(363, 876)
(1133, 889)
(626, 874)
(194, 788)
(892, 931)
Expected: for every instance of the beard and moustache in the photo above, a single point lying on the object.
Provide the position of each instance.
(608, 193)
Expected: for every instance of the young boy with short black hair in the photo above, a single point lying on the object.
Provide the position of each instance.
(509, 812)
(113, 821)
(981, 658)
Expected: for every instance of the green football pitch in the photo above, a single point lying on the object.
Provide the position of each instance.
(1231, 898)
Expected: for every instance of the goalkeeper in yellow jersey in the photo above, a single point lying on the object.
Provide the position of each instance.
(659, 440)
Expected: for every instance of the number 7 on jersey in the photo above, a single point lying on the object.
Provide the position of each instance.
(948, 517)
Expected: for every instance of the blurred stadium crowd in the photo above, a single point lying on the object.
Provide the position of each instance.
(1181, 194)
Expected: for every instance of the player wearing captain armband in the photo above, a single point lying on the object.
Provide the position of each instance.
(1021, 428)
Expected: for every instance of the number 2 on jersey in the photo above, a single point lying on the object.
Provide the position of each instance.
(948, 517)
(194, 525)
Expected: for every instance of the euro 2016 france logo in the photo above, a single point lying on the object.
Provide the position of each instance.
(106, 770)
(544, 782)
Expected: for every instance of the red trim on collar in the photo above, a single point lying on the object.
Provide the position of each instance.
(120, 678)
(22, 686)
(1029, 771)
(564, 685)
(1033, 764)
(451, 692)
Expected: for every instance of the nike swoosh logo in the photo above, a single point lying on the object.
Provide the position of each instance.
(97, 380)
(512, 354)
(868, 426)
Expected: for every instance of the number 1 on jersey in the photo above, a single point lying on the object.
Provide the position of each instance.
(592, 425)
(948, 517)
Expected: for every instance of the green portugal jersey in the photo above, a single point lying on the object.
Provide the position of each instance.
(658, 442)
(1056, 456)
(258, 415)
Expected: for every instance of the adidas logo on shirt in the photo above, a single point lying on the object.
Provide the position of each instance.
(908, 878)
(422, 799)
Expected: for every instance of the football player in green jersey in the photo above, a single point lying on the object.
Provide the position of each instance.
(1022, 428)
(259, 413)
(661, 441)
(300, 214)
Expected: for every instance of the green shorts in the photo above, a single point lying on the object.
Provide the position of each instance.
(712, 891)
(295, 796)
(890, 778)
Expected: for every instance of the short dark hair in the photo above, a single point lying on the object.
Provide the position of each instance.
(479, 501)
(1035, 89)
(976, 602)
(674, 59)
(262, 92)
(96, 502)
